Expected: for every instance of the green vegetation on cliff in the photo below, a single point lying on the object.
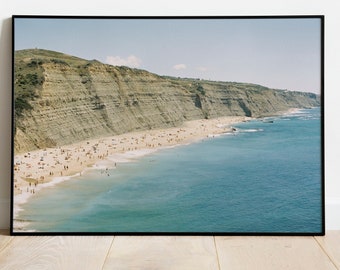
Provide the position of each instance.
(61, 99)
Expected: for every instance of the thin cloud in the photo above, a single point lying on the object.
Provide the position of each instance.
(179, 66)
(202, 69)
(130, 61)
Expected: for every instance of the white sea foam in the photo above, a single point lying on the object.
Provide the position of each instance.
(249, 130)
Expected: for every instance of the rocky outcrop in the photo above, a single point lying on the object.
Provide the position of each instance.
(61, 99)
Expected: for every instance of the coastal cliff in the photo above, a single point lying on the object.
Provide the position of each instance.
(61, 99)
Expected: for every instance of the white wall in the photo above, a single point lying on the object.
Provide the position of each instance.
(329, 8)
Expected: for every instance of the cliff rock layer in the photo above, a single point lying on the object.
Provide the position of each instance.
(61, 99)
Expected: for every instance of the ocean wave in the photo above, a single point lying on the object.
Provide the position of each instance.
(249, 130)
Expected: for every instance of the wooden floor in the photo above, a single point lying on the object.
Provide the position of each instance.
(169, 252)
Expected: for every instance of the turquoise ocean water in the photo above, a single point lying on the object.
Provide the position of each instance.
(266, 177)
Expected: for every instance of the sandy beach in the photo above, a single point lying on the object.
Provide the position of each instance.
(38, 169)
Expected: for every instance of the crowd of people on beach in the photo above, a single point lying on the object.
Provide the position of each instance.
(41, 166)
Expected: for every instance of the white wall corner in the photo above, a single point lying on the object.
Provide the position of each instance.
(333, 213)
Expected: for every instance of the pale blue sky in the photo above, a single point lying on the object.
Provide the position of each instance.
(278, 53)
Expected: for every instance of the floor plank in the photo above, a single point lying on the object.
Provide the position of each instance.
(162, 252)
(5, 238)
(71, 252)
(271, 253)
(331, 245)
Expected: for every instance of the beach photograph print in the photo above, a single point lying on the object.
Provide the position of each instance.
(167, 125)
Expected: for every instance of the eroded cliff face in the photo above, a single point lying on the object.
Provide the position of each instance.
(61, 99)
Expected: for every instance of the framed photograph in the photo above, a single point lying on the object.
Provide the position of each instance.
(168, 125)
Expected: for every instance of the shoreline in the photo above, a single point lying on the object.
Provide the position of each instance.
(39, 169)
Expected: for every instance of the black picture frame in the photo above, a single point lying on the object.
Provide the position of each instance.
(34, 125)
